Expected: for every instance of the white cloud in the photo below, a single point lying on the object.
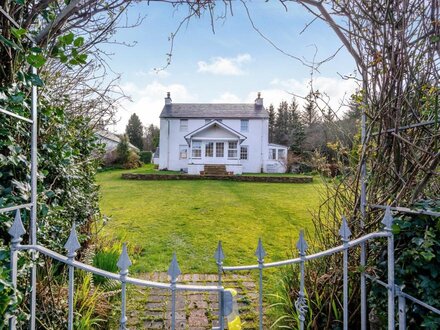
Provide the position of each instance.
(335, 91)
(224, 65)
(227, 98)
(147, 102)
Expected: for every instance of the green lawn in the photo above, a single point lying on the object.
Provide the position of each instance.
(189, 217)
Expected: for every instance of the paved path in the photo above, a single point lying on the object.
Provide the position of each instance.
(151, 308)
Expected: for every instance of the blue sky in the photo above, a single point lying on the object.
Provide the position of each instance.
(230, 65)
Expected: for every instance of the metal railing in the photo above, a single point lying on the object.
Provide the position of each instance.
(72, 245)
(345, 233)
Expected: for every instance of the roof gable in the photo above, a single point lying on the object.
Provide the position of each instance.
(215, 129)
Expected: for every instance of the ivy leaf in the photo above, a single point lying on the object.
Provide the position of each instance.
(82, 58)
(78, 42)
(35, 79)
(36, 49)
(36, 60)
(63, 58)
(68, 38)
(17, 98)
(9, 43)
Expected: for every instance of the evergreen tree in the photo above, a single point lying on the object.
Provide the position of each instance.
(281, 135)
(134, 131)
(123, 150)
(272, 118)
(295, 128)
(310, 115)
(151, 141)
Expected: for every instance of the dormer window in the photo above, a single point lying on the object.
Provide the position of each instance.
(244, 125)
(183, 125)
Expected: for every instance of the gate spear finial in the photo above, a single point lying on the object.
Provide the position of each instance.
(174, 269)
(219, 255)
(17, 229)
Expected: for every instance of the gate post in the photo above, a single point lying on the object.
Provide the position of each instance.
(219, 257)
(16, 231)
(260, 253)
(301, 303)
(71, 246)
(123, 263)
(388, 222)
(401, 308)
(345, 233)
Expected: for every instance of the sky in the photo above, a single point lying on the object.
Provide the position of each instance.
(229, 65)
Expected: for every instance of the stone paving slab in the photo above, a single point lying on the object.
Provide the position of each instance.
(151, 308)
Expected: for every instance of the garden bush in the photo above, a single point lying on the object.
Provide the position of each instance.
(68, 155)
(417, 267)
(146, 156)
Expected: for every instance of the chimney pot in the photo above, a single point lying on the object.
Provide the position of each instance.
(168, 99)
(259, 100)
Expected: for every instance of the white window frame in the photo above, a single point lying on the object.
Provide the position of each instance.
(222, 149)
(244, 125)
(183, 125)
(232, 151)
(272, 153)
(196, 146)
(183, 151)
(281, 154)
(207, 144)
(244, 152)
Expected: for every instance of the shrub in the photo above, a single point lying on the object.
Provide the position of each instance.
(9, 297)
(146, 156)
(132, 160)
(417, 267)
(67, 193)
(123, 150)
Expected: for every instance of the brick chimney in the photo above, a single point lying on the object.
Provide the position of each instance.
(168, 100)
(259, 100)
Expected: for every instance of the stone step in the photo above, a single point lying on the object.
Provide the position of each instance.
(215, 170)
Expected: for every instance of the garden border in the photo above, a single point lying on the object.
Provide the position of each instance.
(240, 178)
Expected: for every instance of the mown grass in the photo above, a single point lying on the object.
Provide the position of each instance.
(157, 218)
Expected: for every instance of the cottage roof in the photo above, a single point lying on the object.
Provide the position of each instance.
(213, 110)
(106, 135)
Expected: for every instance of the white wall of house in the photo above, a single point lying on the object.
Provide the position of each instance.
(172, 142)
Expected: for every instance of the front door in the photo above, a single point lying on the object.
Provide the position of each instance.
(220, 150)
(214, 152)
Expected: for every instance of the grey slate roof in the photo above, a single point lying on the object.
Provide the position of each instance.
(213, 110)
(103, 134)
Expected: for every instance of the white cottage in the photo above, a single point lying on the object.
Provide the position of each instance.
(206, 137)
